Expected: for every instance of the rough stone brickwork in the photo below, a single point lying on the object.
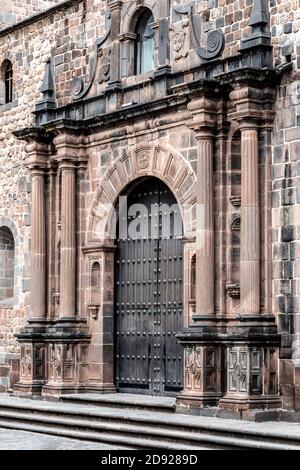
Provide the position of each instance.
(285, 27)
(13, 11)
(67, 35)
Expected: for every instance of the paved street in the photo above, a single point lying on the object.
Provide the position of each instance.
(11, 439)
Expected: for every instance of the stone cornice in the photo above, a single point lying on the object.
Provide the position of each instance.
(248, 75)
(33, 134)
(180, 95)
(38, 17)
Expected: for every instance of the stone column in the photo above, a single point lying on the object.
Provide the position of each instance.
(205, 301)
(202, 356)
(68, 242)
(250, 221)
(38, 247)
(31, 337)
(203, 123)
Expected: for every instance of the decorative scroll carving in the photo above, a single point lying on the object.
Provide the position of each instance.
(77, 86)
(215, 45)
(215, 39)
(78, 89)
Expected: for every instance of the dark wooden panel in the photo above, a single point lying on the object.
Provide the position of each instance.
(149, 288)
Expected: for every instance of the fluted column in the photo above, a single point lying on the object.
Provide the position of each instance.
(68, 242)
(250, 222)
(38, 247)
(205, 302)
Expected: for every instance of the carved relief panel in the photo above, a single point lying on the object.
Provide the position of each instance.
(26, 362)
(61, 362)
(32, 365)
(252, 370)
(202, 369)
(193, 360)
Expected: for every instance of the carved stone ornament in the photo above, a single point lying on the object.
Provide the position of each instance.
(239, 373)
(215, 39)
(26, 360)
(193, 363)
(178, 43)
(76, 87)
(215, 45)
(58, 357)
(233, 290)
(94, 310)
(143, 160)
(105, 58)
(236, 200)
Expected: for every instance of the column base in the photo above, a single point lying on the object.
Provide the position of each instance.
(100, 388)
(189, 403)
(233, 403)
(28, 389)
(55, 391)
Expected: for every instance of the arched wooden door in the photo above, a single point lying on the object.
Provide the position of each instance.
(149, 292)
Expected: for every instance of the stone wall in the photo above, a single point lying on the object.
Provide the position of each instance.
(28, 49)
(285, 26)
(68, 35)
(14, 11)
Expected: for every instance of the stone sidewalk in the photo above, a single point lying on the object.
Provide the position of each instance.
(11, 439)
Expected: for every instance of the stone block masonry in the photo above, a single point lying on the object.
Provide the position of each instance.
(14, 11)
(218, 121)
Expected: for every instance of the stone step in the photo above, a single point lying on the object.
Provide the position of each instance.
(123, 400)
(170, 438)
(122, 441)
(140, 429)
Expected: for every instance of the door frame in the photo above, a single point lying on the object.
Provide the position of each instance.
(144, 160)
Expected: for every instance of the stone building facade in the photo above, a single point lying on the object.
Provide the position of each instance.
(195, 102)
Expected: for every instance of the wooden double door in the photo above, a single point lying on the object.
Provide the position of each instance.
(149, 292)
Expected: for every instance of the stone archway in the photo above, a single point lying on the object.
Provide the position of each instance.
(163, 163)
(143, 161)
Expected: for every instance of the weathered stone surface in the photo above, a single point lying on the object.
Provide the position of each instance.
(224, 137)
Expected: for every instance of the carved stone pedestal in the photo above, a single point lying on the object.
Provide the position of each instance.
(202, 376)
(251, 379)
(67, 361)
(252, 372)
(32, 364)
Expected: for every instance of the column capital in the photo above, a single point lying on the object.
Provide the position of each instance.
(67, 164)
(70, 147)
(204, 116)
(248, 124)
(251, 104)
(38, 156)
